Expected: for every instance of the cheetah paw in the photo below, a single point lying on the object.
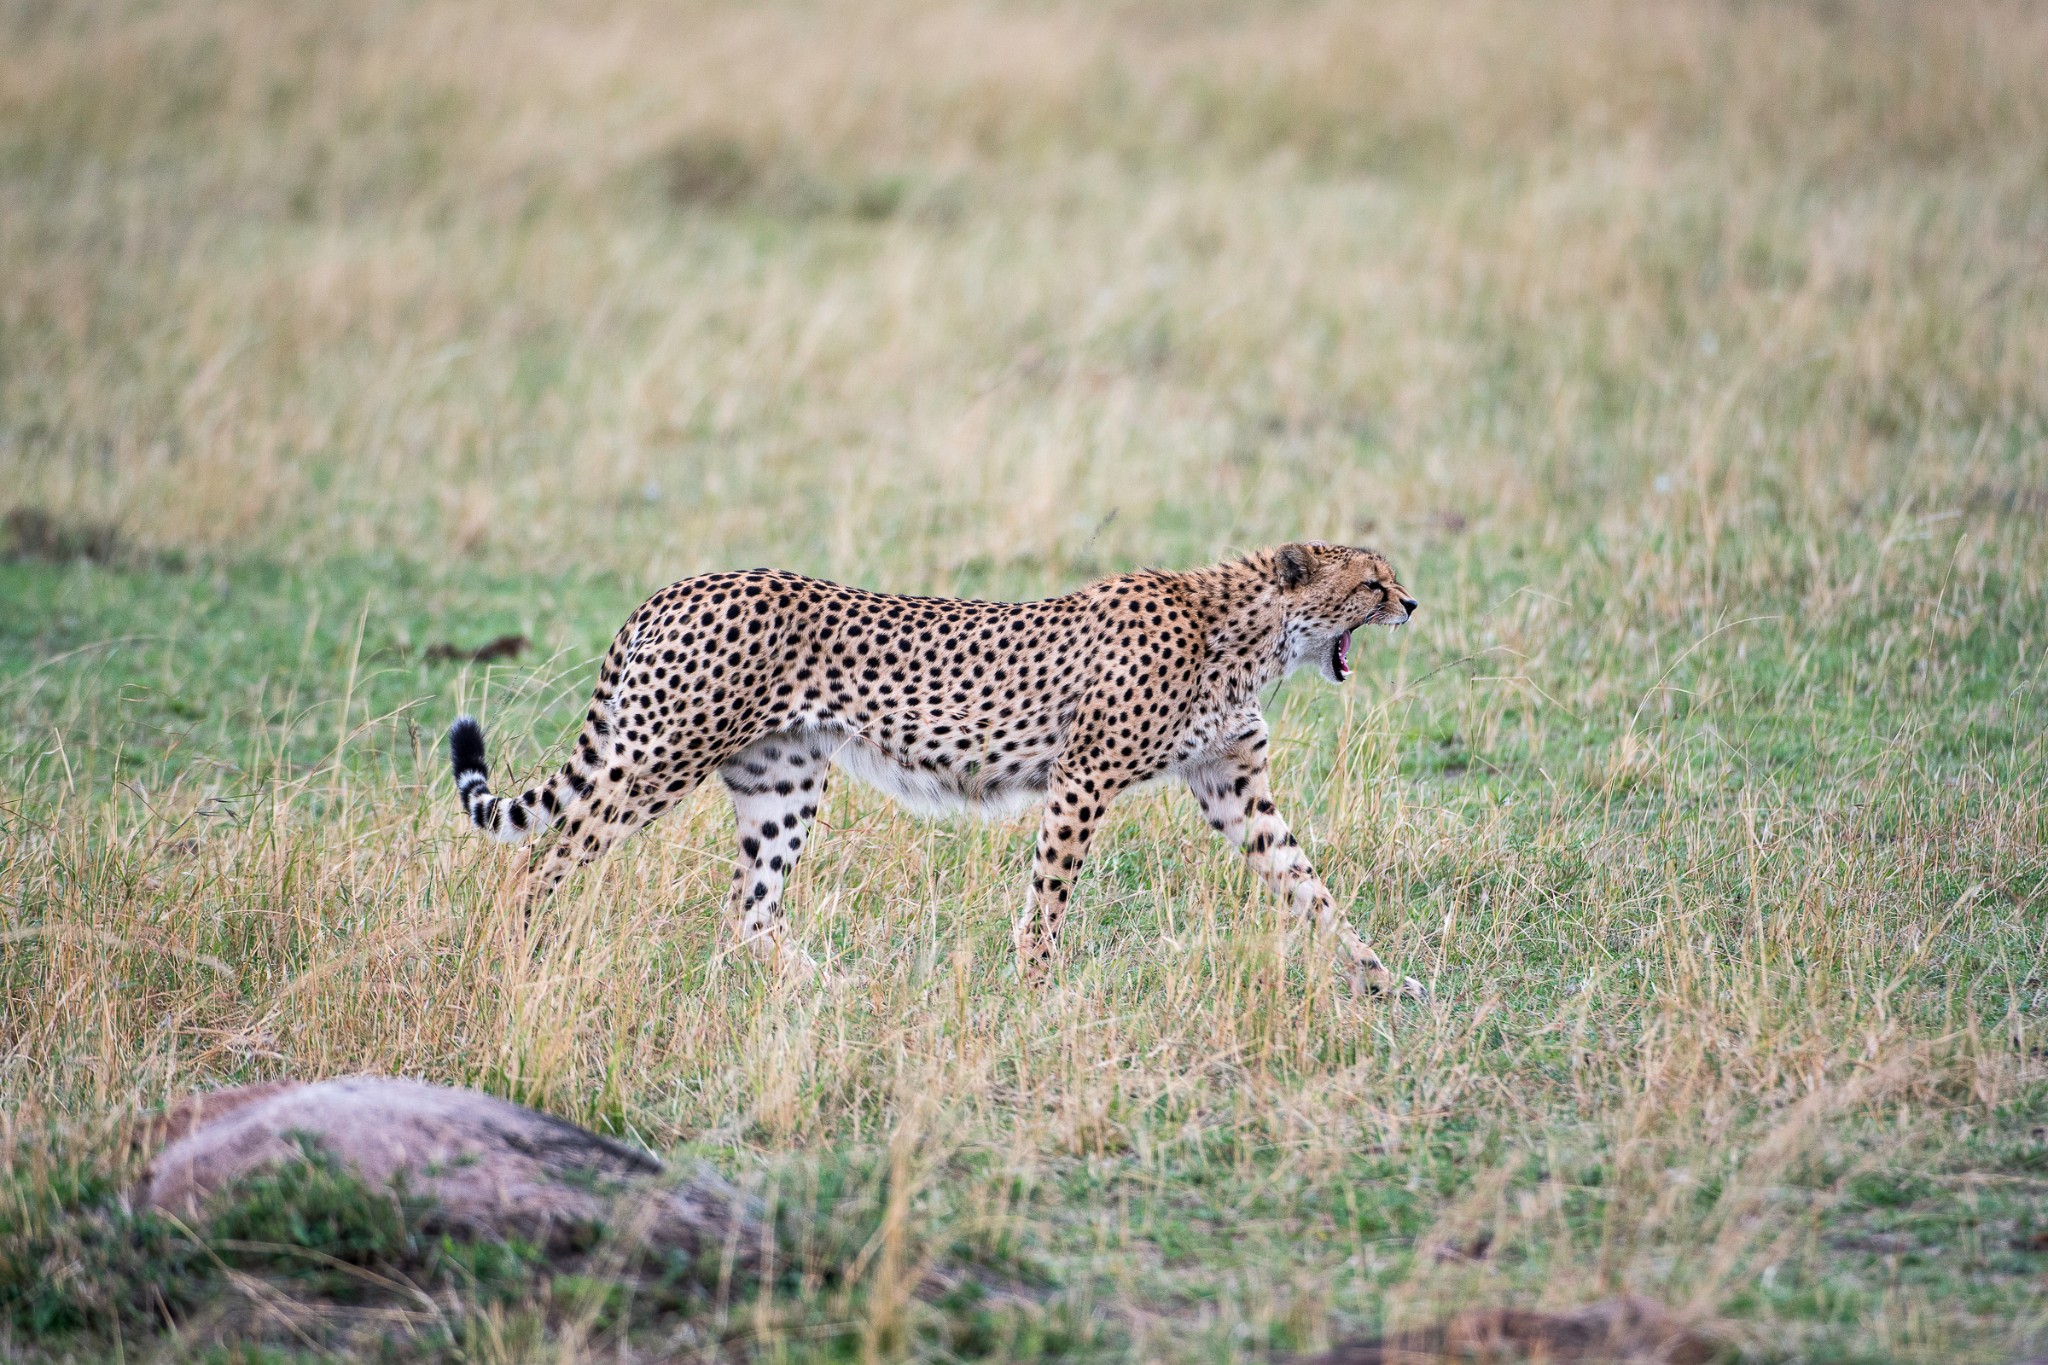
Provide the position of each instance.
(1367, 979)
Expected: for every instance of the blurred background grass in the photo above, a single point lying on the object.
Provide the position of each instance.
(1691, 359)
(892, 292)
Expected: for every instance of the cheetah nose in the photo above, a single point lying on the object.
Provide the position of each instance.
(1409, 604)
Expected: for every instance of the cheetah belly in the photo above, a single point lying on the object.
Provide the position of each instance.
(927, 792)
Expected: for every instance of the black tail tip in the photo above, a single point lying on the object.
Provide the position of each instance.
(466, 746)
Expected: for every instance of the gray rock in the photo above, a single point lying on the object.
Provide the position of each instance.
(491, 1168)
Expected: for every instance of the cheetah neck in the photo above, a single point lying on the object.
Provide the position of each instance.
(1250, 645)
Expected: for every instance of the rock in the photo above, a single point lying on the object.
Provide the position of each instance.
(184, 1115)
(491, 1168)
(1625, 1329)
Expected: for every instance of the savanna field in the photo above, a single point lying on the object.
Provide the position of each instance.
(1689, 359)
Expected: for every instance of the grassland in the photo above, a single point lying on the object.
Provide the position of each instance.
(1690, 359)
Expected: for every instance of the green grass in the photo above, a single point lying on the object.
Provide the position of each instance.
(1691, 361)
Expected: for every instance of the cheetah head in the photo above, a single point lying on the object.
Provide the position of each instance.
(1329, 591)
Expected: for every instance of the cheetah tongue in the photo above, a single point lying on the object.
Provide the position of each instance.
(1340, 656)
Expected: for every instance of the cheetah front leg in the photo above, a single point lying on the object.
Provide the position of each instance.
(1237, 799)
(776, 786)
(1074, 809)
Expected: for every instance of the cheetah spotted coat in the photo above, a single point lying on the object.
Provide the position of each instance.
(771, 679)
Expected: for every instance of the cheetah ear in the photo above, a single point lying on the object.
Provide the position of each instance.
(1295, 564)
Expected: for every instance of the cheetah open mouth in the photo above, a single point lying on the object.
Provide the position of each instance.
(1340, 657)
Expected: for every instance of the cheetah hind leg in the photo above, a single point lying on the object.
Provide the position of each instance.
(611, 810)
(776, 785)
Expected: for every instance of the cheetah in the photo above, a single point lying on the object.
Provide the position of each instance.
(771, 680)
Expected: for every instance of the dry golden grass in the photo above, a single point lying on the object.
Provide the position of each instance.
(1691, 359)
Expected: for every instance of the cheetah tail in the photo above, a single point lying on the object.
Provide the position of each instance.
(508, 819)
